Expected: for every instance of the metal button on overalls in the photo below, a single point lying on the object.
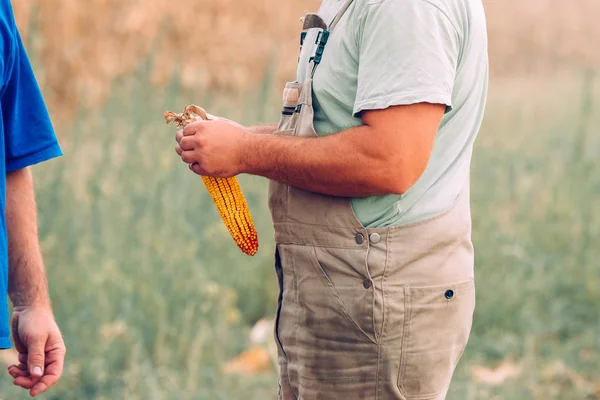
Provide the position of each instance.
(375, 238)
(359, 238)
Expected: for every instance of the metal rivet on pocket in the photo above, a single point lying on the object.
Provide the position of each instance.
(359, 238)
(367, 283)
(449, 294)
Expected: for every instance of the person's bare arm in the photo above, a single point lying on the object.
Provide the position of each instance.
(27, 285)
(386, 155)
(36, 335)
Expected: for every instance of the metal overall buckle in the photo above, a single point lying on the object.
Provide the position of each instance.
(311, 21)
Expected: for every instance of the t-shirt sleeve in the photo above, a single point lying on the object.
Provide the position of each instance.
(409, 52)
(28, 133)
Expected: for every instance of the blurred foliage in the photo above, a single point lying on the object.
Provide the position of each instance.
(210, 45)
(226, 45)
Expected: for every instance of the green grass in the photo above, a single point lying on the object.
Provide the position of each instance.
(153, 296)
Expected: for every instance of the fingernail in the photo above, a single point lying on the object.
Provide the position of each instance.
(37, 371)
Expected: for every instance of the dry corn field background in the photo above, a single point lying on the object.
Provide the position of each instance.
(154, 299)
(227, 44)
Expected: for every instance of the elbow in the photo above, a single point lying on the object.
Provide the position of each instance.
(400, 179)
(391, 183)
(399, 185)
(398, 171)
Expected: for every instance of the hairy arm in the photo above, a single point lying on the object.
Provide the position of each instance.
(386, 155)
(27, 285)
(36, 336)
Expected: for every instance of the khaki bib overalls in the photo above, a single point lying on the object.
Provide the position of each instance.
(365, 313)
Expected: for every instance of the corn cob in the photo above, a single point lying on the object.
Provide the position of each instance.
(225, 192)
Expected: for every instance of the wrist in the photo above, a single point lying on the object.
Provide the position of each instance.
(251, 150)
(41, 307)
(22, 301)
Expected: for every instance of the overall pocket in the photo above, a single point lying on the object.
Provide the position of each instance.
(334, 314)
(436, 331)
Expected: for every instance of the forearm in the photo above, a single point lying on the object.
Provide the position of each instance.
(263, 129)
(338, 165)
(27, 283)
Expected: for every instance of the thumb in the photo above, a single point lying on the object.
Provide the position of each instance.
(36, 356)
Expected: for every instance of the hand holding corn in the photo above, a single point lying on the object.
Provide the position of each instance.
(216, 164)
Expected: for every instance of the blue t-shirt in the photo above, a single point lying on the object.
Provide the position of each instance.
(26, 130)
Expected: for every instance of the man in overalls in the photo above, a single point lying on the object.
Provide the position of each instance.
(369, 193)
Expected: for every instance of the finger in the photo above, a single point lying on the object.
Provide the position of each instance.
(194, 127)
(23, 358)
(196, 168)
(26, 382)
(188, 157)
(21, 366)
(36, 356)
(55, 361)
(15, 371)
(179, 135)
(54, 369)
(188, 143)
(178, 149)
(43, 384)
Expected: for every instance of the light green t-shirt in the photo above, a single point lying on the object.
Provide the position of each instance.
(396, 52)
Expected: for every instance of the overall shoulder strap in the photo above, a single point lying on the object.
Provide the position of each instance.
(314, 21)
(339, 15)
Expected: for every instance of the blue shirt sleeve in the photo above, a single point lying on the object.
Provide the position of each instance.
(28, 133)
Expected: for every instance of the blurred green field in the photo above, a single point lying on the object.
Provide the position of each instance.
(153, 297)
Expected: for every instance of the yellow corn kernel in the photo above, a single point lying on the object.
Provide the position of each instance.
(225, 193)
